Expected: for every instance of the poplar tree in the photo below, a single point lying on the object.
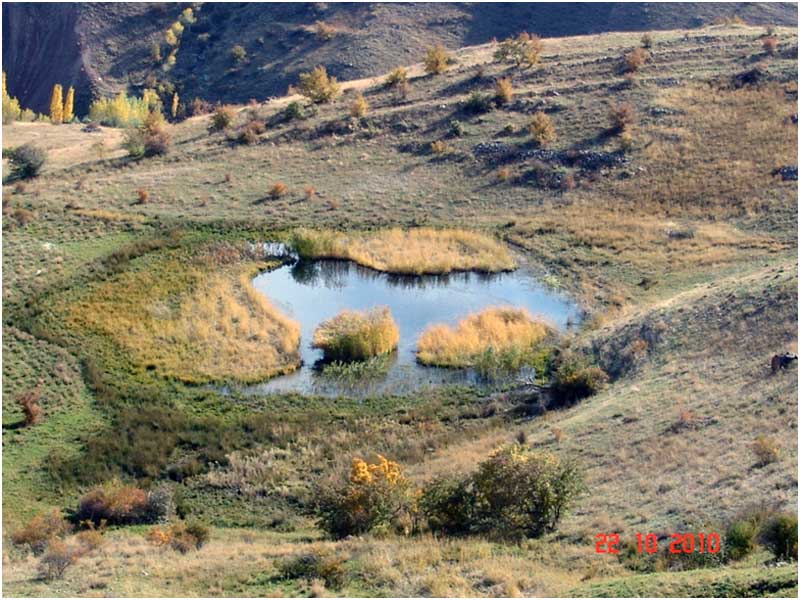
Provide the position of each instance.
(175, 100)
(69, 105)
(57, 105)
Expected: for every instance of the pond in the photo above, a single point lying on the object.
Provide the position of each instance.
(312, 291)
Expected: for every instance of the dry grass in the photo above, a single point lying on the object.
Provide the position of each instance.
(356, 335)
(499, 328)
(218, 328)
(413, 252)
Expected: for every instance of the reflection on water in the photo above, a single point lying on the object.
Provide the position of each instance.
(313, 291)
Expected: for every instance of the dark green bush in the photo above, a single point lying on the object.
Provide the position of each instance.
(478, 103)
(741, 537)
(315, 565)
(779, 534)
(576, 379)
(26, 161)
(449, 506)
(515, 493)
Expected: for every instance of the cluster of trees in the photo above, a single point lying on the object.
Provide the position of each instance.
(62, 110)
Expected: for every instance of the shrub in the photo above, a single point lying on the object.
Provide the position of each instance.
(770, 44)
(520, 492)
(635, 59)
(40, 530)
(766, 450)
(439, 147)
(315, 565)
(156, 136)
(278, 190)
(57, 558)
(119, 504)
(622, 117)
(741, 537)
(397, 76)
(375, 496)
(779, 535)
(318, 86)
(457, 128)
(503, 174)
(310, 191)
(250, 132)
(142, 196)
(515, 493)
(27, 161)
(574, 380)
(293, 110)
(436, 60)
(198, 107)
(478, 103)
(647, 41)
(448, 505)
(357, 335)
(504, 91)
(222, 118)
(359, 107)
(542, 129)
(238, 53)
(324, 31)
(29, 403)
(133, 142)
(525, 49)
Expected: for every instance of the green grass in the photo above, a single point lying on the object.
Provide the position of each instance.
(752, 582)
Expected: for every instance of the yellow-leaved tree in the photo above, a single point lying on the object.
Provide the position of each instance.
(57, 104)
(69, 105)
(175, 101)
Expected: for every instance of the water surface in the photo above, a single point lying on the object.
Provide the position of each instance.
(312, 291)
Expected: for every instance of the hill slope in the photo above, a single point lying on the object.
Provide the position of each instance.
(101, 48)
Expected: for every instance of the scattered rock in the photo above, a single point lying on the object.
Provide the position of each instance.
(787, 172)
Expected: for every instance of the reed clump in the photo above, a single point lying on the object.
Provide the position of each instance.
(499, 328)
(422, 251)
(357, 335)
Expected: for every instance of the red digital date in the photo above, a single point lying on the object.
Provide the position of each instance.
(647, 543)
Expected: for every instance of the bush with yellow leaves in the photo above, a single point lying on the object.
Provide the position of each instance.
(376, 496)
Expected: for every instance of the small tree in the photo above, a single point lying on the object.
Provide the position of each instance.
(318, 86)
(359, 107)
(436, 60)
(11, 108)
(647, 41)
(504, 91)
(175, 100)
(69, 105)
(57, 105)
(542, 129)
(525, 49)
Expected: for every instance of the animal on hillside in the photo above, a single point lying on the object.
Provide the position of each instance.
(782, 361)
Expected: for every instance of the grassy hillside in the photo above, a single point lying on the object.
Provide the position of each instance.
(102, 48)
(678, 240)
